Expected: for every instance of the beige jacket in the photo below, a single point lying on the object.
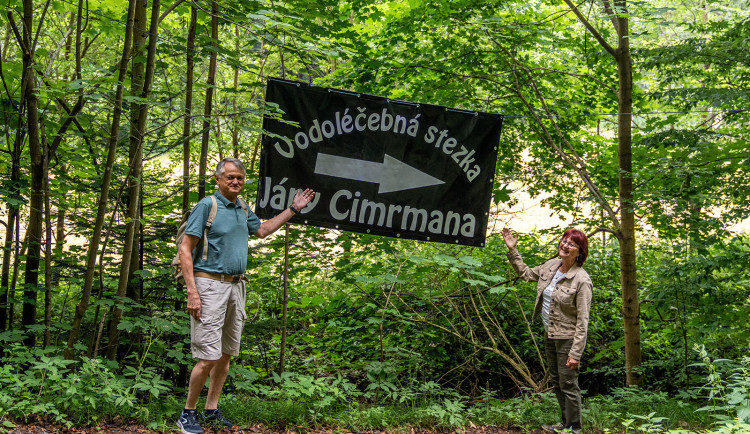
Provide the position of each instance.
(571, 300)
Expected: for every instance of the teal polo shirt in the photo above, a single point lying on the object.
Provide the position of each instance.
(227, 237)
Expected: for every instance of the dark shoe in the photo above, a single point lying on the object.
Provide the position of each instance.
(188, 422)
(558, 427)
(215, 417)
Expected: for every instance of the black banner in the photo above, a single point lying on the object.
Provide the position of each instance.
(379, 166)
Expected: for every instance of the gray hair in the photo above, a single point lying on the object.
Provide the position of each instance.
(236, 162)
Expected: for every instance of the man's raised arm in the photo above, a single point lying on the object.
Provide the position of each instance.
(301, 199)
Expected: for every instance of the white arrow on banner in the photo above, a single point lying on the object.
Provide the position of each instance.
(391, 174)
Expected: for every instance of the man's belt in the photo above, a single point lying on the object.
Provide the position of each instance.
(221, 277)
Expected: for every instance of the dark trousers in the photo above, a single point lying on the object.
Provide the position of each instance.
(564, 381)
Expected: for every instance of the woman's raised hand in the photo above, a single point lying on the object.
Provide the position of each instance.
(510, 240)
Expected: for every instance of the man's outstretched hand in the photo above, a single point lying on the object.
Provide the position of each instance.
(302, 198)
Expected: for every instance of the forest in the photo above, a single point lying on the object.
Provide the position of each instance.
(628, 120)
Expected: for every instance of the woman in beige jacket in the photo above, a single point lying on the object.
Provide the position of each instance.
(563, 300)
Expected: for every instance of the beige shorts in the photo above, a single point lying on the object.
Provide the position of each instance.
(222, 319)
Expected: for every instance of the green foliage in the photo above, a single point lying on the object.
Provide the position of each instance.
(318, 393)
(696, 296)
(67, 392)
(299, 399)
(726, 390)
(727, 387)
(639, 411)
(528, 410)
(381, 377)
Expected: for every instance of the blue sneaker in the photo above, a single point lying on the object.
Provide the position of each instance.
(216, 418)
(188, 422)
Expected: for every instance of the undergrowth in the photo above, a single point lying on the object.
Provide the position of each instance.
(37, 384)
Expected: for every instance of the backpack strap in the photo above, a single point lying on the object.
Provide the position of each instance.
(209, 222)
(243, 204)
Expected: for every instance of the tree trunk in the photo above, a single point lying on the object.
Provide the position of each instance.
(20, 252)
(211, 82)
(59, 240)
(235, 115)
(136, 171)
(13, 206)
(187, 124)
(106, 179)
(7, 258)
(135, 156)
(10, 233)
(47, 248)
(626, 234)
(625, 227)
(36, 202)
(284, 302)
(135, 151)
(182, 375)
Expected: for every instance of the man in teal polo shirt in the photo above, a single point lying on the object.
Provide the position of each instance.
(216, 286)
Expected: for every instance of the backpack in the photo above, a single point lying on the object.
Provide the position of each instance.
(176, 266)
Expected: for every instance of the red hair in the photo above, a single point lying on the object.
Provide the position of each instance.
(581, 240)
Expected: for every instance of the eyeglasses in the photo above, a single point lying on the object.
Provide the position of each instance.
(568, 244)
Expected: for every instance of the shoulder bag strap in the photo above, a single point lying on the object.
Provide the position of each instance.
(209, 222)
